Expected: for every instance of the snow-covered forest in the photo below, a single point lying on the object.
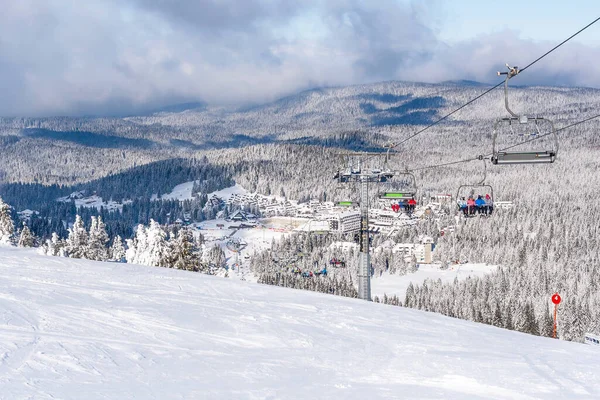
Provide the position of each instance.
(546, 243)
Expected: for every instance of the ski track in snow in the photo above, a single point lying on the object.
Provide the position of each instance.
(74, 329)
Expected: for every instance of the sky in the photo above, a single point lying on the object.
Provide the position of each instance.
(116, 57)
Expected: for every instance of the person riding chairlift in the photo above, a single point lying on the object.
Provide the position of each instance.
(412, 203)
(489, 204)
(471, 205)
(480, 204)
(462, 205)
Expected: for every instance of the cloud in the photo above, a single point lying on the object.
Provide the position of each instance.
(67, 57)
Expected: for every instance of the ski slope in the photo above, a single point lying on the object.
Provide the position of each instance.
(183, 191)
(74, 329)
(397, 284)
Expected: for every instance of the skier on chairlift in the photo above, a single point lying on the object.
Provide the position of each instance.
(480, 204)
(489, 205)
(462, 205)
(412, 203)
(471, 205)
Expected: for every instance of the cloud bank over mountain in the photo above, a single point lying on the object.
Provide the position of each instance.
(118, 57)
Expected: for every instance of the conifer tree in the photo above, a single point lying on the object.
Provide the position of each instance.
(136, 247)
(497, 317)
(117, 250)
(54, 246)
(158, 248)
(546, 325)
(216, 257)
(7, 228)
(98, 241)
(182, 251)
(76, 246)
(26, 239)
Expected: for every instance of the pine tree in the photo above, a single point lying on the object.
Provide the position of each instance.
(497, 317)
(55, 246)
(137, 247)
(7, 228)
(26, 239)
(546, 324)
(77, 241)
(98, 241)
(216, 257)
(508, 319)
(117, 251)
(410, 293)
(183, 252)
(157, 253)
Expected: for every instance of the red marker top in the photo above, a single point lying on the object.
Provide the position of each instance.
(556, 298)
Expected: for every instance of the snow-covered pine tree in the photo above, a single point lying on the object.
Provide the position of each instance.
(158, 248)
(26, 239)
(77, 241)
(54, 246)
(183, 252)
(546, 325)
(7, 228)
(98, 241)
(136, 247)
(216, 257)
(117, 250)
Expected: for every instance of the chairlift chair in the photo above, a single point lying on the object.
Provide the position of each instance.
(503, 156)
(403, 195)
(477, 190)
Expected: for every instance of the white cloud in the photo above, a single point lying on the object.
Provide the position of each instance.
(104, 57)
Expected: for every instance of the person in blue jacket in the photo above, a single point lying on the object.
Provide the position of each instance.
(480, 205)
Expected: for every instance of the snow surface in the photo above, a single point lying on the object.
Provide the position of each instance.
(257, 239)
(180, 192)
(95, 201)
(397, 284)
(74, 329)
(184, 192)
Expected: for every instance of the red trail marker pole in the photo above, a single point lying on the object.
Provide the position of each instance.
(556, 300)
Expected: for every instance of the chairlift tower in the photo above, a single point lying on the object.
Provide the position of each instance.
(354, 172)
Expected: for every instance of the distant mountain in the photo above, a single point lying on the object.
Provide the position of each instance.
(465, 82)
(176, 108)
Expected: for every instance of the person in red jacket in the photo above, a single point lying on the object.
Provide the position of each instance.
(471, 205)
(412, 203)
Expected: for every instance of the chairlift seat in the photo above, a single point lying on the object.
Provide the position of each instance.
(397, 195)
(524, 157)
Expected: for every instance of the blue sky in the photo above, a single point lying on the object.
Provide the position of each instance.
(534, 19)
(69, 57)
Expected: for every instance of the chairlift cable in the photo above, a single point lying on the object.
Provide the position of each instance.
(550, 133)
(560, 44)
(493, 87)
(506, 148)
(444, 164)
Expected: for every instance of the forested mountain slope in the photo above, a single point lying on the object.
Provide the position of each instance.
(70, 150)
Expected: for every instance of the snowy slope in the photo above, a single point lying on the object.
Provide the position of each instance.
(397, 284)
(184, 192)
(75, 329)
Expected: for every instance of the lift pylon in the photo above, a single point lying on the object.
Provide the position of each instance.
(356, 171)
